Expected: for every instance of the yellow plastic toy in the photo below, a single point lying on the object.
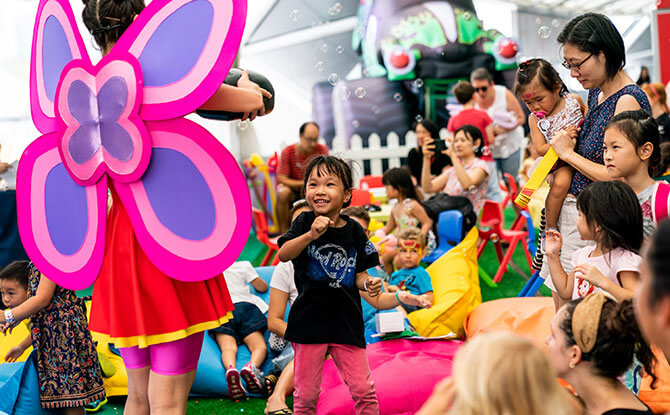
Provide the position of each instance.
(537, 178)
(256, 162)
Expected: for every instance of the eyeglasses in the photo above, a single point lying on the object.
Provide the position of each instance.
(569, 66)
(482, 89)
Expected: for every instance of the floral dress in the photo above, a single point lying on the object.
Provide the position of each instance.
(68, 370)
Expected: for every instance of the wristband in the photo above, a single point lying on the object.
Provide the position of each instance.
(397, 297)
(9, 317)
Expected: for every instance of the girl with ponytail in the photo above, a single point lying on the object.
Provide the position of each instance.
(593, 342)
(157, 322)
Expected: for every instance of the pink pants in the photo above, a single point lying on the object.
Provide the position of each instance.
(170, 359)
(351, 362)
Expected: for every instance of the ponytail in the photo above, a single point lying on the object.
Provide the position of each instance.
(618, 340)
(107, 20)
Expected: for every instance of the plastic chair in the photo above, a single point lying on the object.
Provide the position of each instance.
(370, 182)
(360, 197)
(449, 233)
(491, 229)
(261, 225)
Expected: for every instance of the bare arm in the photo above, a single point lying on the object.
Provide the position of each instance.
(36, 303)
(389, 226)
(582, 106)
(467, 180)
(387, 300)
(291, 249)
(259, 284)
(428, 183)
(562, 282)
(537, 137)
(628, 279)
(565, 149)
(246, 97)
(490, 136)
(287, 181)
(276, 311)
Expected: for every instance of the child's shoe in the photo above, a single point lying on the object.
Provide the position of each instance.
(236, 391)
(252, 376)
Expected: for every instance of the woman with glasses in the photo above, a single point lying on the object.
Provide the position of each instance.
(593, 51)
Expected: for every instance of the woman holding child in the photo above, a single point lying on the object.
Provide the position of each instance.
(594, 52)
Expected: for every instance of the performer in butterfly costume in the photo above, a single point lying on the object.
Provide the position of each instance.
(181, 211)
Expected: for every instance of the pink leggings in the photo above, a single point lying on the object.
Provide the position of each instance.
(170, 359)
(351, 362)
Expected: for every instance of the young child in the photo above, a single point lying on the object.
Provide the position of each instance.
(330, 255)
(411, 277)
(407, 212)
(246, 327)
(552, 109)
(610, 215)
(469, 115)
(68, 370)
(632, 155)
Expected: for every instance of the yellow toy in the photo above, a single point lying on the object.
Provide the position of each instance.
(255, 162)
(537, 178)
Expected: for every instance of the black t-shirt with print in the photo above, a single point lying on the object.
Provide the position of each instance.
(328, 306)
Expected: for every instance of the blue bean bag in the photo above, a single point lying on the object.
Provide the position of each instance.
(210, 379)
(19, 391)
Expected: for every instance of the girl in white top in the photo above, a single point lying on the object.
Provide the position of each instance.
(609, 215)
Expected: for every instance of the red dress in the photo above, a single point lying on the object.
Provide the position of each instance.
(135, 304)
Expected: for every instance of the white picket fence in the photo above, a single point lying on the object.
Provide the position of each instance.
(375, 152)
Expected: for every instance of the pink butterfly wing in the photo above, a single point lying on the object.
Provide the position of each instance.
(62, 224)
(56, 41)
(191, 210)
(185, 49)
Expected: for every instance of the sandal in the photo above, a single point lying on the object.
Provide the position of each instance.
(283, 411)
(252, 377)
(236, 391)
(270, 381)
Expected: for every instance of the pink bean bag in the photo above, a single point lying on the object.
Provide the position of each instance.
(404, 371)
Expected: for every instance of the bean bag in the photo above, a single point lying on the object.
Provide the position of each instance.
(19, 391)
(532, 317)
(456, 291)
(404, 371)
(12, 339)
(210, 378)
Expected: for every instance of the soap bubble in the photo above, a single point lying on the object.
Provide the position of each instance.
(333, 78)
(397, 97)
(538, 21)
(339, 49)
(320, 66)
(294, 15)
(355, 123)
(418, 118)
(360, 92)
(544, 32)
(418, 83)
(366, 72)
(335, 9)
(243, 125)
(324, 48)
(343, 92)
(556, 23)
(375, 109)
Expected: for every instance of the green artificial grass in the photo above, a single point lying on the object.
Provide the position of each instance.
(254, 251)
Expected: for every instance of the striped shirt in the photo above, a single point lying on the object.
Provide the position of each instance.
(292, 164)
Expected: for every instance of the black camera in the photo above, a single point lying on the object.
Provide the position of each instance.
(440, 146)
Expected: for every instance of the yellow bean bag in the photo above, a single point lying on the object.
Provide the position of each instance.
(531, 317)
(19, 333)
(456, 291)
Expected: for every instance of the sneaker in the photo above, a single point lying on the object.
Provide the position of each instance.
(236, 391)
(252, 377)
(95, 406)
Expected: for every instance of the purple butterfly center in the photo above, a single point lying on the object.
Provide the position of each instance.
(98, 117)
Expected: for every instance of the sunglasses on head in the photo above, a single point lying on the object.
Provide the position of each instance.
(481, 89)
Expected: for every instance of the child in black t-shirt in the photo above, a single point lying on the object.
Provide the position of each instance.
(330, 254)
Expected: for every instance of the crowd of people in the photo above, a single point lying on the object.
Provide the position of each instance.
(604, 207)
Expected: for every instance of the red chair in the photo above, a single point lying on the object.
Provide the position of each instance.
(360, 197)
(370, 182)
(261, 224)
(491, 229)
(512, 190)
